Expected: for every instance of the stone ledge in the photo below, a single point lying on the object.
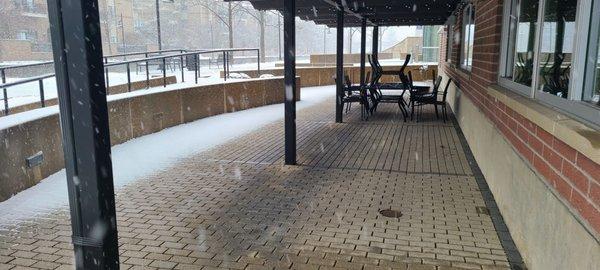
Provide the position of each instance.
(581, 137)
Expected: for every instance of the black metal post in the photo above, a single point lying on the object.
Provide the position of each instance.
(182, 72)
(42, 99)
(229, 64)
(289, 58)
(4, 92)
(197, 66)
(258, 61)
(224, 67)
(147, 72)
(375, 49)
(164, 66)
(340, 65)
(363, 50)
(128, 78)
(107, 79)
(77, 51)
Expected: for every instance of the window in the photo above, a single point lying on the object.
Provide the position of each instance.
(521, 22)
(468, 36)
(556, 47)
(550, 52)
(26, 35)
(591, 93)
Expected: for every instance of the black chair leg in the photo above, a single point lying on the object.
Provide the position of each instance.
(445, 113)
(437, 116)
(402, 109)
(412, 108)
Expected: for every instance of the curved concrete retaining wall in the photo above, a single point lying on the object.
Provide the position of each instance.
(321, 76)
(131, 115)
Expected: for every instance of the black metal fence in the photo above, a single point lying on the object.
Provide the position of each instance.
(189, 59)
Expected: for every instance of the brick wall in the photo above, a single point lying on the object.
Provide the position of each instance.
(571, 174)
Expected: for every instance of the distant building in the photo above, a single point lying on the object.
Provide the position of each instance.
(423, 46)
(25, 31)
(127, 26)
(431, 43)
(409, 45)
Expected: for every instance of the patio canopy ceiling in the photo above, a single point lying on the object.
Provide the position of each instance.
(377, 12)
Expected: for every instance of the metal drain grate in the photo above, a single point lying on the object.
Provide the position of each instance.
(390, 213)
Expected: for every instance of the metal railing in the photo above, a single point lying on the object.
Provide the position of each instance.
(146, 61)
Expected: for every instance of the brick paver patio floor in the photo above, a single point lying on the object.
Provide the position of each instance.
(236, 206)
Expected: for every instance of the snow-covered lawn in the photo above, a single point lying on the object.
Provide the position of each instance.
(145, 155)
(29, 92)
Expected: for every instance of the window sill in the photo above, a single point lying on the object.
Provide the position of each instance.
(580, 136)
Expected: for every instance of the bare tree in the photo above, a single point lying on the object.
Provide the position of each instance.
(260, 17)
(351, 32)
(381, 33)
(223, 11)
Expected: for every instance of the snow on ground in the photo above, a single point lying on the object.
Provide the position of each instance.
(152, 153)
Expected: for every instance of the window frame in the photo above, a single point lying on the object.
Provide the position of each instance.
(504, 46)
(450, 39)
(573, 105)
(465, 37)
(592, 51)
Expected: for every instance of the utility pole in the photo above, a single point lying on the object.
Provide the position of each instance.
(158, 25)
(279, 34)
(106, 27)
(324, 39)
(123, 35)
(262, 36)
(230, 22)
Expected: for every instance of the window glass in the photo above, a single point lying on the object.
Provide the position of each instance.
(593, 95)
(468, 32)
(453, 39)
(521, 41)
(556, 46)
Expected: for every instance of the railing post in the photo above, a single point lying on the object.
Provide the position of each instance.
(164, 64)
(107, 81)
(182, 73)
(128, 79)
(147, 72)
(258, 61)
(42, 99)
(224, 67)
(197, 67)
(4, 92)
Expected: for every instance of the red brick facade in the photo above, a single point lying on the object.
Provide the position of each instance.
(574, 176)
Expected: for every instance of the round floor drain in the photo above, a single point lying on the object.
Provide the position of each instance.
(390, 213)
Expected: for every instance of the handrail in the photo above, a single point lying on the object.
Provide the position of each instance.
(104, 57)
(186, 53)
(28, 80)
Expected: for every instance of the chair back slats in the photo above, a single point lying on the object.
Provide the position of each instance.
(406, 60)
(445, 94)
(436, 85)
